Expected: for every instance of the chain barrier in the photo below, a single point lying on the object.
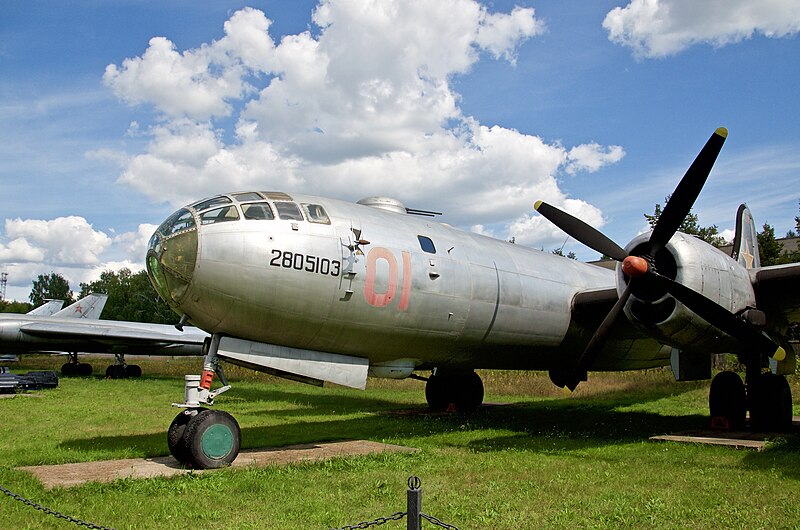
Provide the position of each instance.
(414, 496)
(433, 520)
(37, 506)
(377, 522)
(413, 512)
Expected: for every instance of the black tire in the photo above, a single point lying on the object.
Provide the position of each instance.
(727, 401)
(470, 393)
(115, 371)
(212, 439)
(175, 442)
(437, 392)
(462, 390)
(69, 369)
(84, 369)
(771, 404)
(133, 370)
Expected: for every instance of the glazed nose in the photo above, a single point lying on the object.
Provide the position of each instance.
(172, 255)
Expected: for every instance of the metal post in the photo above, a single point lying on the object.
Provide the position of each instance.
(414, 504)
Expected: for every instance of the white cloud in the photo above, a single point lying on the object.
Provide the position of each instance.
(178, 83)
(362, 106)
(658, 28)
(68, 246)
(535, 230)
(592, 156)
(61, 241)
(134, 244)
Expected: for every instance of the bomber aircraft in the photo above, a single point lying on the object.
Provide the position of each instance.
(316, 290)
(77, 328)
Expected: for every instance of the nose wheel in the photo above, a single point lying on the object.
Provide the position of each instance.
(204, 439)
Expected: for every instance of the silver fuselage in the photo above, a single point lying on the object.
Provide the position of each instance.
(369, 284)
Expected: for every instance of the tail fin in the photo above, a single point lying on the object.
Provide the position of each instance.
(88, 307)
(48, 308)
(745, 243)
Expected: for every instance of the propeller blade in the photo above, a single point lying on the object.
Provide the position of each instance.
(582, 232)
(682, 200)
(721, 318)
(597, 341)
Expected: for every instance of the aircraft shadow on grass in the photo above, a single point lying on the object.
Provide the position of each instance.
(576, 423)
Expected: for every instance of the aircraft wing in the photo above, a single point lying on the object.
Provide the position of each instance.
(626, 348)
(777, 290)
(115, 332)
(101, 336)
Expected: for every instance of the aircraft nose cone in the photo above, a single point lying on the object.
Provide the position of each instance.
(172, 255)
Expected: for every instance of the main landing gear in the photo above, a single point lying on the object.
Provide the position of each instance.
(766, 395)
(73, 367)
(199, 437)
(460, 391)
(121, 370)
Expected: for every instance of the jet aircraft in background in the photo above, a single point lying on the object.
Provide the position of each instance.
(45, 310)
(317, 289)
(77, 328)
(89, 307)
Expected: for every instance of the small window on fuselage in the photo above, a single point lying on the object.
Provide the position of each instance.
(427, 244)
(316, 214)
(288, 211)
(257, 210)
(220, 215)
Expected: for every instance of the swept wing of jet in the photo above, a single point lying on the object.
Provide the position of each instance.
(317, 290)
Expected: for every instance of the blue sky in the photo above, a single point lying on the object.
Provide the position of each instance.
(474, 109)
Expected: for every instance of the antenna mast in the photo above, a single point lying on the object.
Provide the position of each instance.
(3, 283)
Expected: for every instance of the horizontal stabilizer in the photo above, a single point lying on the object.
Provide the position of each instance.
(343, 370)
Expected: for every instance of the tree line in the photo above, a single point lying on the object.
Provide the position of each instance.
(131, 297)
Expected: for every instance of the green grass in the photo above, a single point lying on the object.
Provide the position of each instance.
(545, 461)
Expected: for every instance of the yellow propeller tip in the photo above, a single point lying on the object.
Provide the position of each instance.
(536, 205)
(722, 131)
(780, 354)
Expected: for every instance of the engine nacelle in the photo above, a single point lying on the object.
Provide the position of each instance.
(700, 267)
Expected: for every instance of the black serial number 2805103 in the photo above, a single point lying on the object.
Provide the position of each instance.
(301, 262)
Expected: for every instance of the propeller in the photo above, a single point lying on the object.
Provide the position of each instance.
(641, 267)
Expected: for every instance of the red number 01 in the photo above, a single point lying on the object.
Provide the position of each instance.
(385, 298)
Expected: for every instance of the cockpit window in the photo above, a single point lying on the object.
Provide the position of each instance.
(180, 220)
(288, 211)
(277, 196)
(316, 214)
(427, 244)
(228, 213)
(249, 196)
(257, 210)
(210, 203)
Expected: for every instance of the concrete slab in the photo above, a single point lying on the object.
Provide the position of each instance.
(69, 475)
(699, 438)
(735, 439)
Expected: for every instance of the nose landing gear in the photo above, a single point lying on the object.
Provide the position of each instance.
(200, 437)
